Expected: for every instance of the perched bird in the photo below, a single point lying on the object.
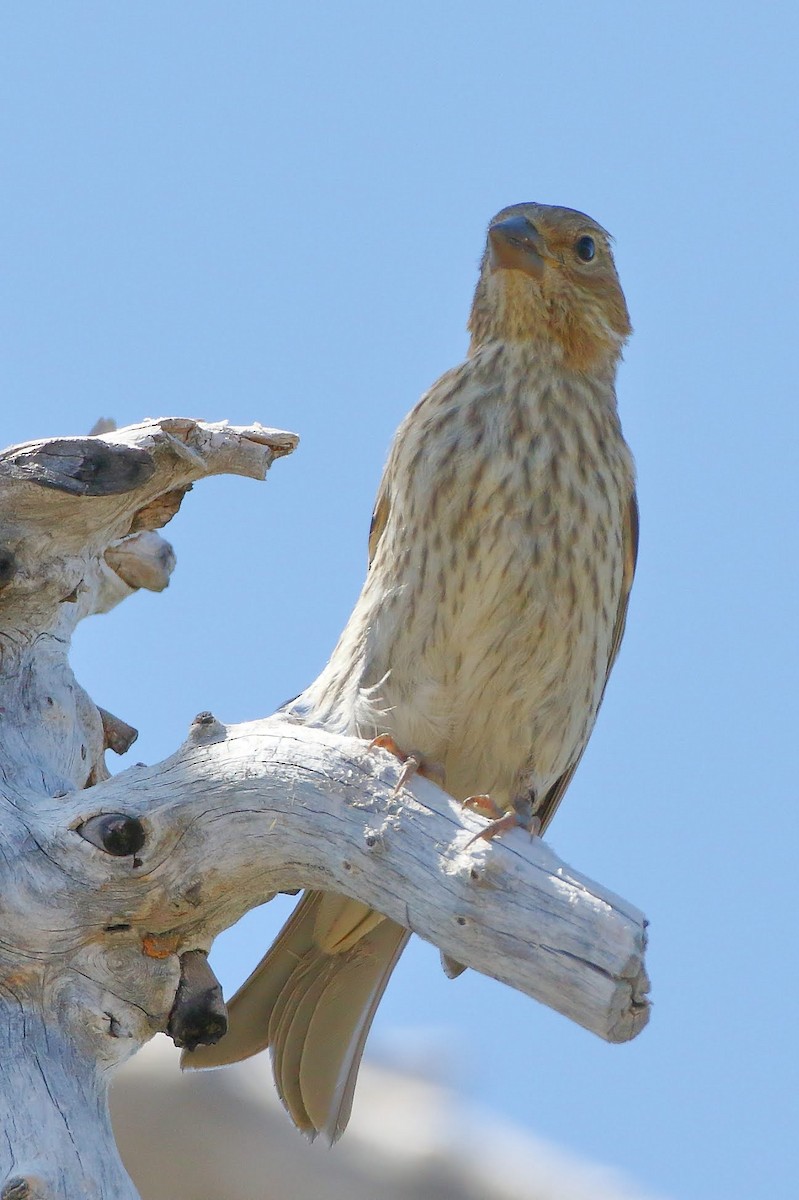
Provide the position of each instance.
(501, 557)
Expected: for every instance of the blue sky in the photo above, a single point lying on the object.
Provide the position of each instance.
(275, 212)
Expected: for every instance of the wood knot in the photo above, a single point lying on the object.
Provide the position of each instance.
(205, 728)
(115, 833)
(117, 734)
(16, 1189)
(81, 467)
(199, 1015)
(8, 566)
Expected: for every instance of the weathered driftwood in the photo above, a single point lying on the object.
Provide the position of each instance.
(112, 890)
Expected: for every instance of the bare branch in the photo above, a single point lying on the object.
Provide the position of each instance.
(113, 889)
(178, 851)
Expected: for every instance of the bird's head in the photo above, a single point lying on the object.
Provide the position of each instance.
(548, 277)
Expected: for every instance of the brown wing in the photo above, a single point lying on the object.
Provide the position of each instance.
(379, 518)
(546, 810)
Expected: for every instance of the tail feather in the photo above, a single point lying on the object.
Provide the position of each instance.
(313, 1006)
(335, 1034)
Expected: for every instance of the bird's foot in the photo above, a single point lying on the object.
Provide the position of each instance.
(413, 763)
(484, 805)
(520, 816)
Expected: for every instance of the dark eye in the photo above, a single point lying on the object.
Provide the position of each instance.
(585, 248)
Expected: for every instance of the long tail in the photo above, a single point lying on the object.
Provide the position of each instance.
(312, 999)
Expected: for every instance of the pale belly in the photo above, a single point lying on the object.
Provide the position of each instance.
(498, 675)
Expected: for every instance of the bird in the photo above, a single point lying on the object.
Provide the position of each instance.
(502, 551)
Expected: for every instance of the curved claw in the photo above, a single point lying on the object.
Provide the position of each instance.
(519, 816)
(500, 825)
(413, 763)
(483, 804)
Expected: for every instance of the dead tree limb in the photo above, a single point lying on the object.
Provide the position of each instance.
(112, 890)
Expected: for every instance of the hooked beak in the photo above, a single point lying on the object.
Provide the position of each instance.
(516, 245)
